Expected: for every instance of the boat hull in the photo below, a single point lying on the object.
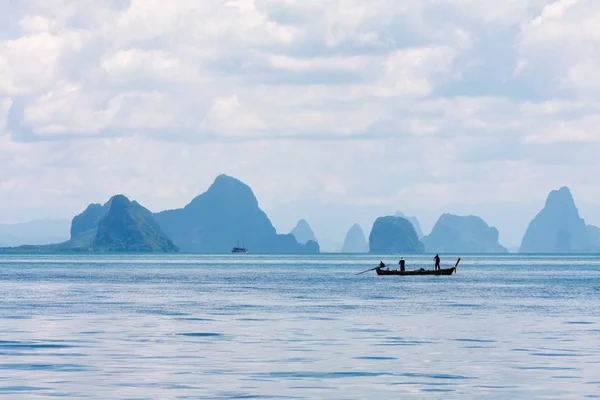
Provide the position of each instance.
(446, 271)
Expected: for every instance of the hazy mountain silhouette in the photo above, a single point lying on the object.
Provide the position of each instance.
(594, 237)
(303, 233)
(329, 245)
(120, 225)
(37, 232)
(225, 214)
(355, 241)
(457, 234)
(330, 221)
(394, 235)
(557, 228)
(413, 220)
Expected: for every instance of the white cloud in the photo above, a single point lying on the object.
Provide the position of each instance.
(583, 75)
(69, 110)
(32, 63)
(333, 100)
(230, 117)
(140, 110)
(559, 46)
(585, 130)
(559, 108)
(133, 64)
(206, 22)
(5, 105)
(319, 63)
(66, 109)
(36, 24)
(411, 72)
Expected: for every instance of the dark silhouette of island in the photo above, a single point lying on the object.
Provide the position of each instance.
(395, 235)
(227, 213)
(458, 234)
(557, 228)
(303, 232)
(413, 220)
(129, 227)
(355, 241)
(120, 225)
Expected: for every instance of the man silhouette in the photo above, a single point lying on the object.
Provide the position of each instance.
(437, 262)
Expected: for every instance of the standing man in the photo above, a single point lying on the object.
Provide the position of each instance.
(402, 265)
(437, 262)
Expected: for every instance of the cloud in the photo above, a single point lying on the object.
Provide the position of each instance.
(365, 102)
(68, 110)
(129, 65)
(409, 73)
(230, 117)
(33, 62)
(585, 129)
(5, 105)
(559, 46)
(302, 69)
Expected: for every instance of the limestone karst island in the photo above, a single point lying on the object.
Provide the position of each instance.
(228, 215)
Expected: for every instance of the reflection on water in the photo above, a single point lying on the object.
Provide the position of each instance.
(262, 327)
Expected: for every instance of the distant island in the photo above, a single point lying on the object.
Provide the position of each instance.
(558, 228)
(120, 225)
(413, 220)
(394, 235)
(303, 232)
(225, 214)
(355, 241)
(228, 215)
(457, 234)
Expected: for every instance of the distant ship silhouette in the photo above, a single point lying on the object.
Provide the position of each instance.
(238, 249)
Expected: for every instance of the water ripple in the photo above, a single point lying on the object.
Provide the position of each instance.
(201, 334)
(222, 327)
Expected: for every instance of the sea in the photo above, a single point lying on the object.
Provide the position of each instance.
(298, 327)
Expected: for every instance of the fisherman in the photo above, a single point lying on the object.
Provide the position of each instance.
(437, 262)
(402, 264)
(381, 265)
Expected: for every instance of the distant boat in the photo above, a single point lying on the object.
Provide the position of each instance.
(446, 271)
(238, 249)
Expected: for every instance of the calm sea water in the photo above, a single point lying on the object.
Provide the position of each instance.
(226, 327)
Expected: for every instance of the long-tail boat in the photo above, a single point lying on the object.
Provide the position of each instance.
(445, 271)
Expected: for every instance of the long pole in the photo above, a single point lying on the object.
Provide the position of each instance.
(372, 269)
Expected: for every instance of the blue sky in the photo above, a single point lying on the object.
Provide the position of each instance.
(412, 105)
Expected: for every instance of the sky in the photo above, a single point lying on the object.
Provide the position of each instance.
(412, 105)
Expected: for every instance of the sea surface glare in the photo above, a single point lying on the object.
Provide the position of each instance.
(298, 327)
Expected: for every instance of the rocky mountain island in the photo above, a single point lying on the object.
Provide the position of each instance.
(227, 213)
(303, 232)
(458, 234)
(394, 235)
(413, 220)
(120, 225)
(355, 241)
(557, 228)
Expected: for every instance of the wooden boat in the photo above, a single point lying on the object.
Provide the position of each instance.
(239, 249)
(445, 271)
